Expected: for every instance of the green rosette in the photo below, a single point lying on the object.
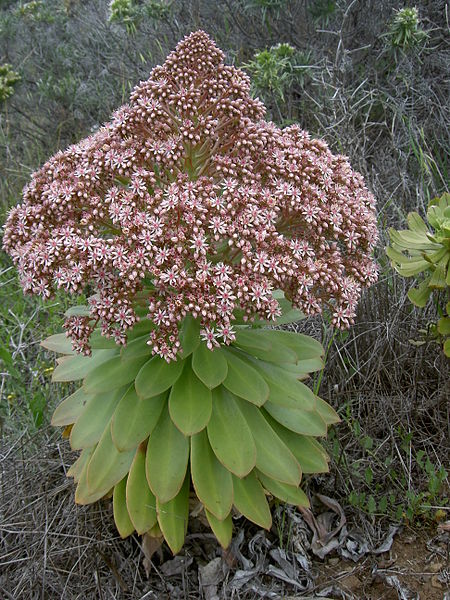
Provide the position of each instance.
(234, 426)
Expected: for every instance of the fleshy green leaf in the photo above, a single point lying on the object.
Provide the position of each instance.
(98, 341)
(250, 500)
(282, 491)
(141, 503)
(78, 311)
(438, 278)
(304, 346)
(77, 367)
(211, 480)
(223, 530)
(78, 466)
(121, 517)
(420, 295)
(278, 352)
(83, 494)
(112, 374)
(244, 381)
(135, 418)
(58, 343)
(95, 417)
(308, 452)
(157, 376)
(301, 421)
(327, 412)
(444, 325)
(107, 465)
(246, 338)
(209, 365)
(229, 435)
(189, 335)
(273, 457)
(167, 458)
(71, 408)
(447, 347)
(173, 517)
(137, 348)
(190, 403)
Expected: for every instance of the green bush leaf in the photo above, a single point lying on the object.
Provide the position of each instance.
(98, 341)
(327, 412)
(444, 325)
(277, 352)
(211, 480)
(250, 500)
(244, 381)
(420, 295)
(157, 376)
(121, 517)
(96, 416)
(229, 435)
(190, 403)
(141, 503)
(167, 458)
(209, 366)
(273, 457)
(173, 517)
(137, 348)
(135, 418)
(112, 374)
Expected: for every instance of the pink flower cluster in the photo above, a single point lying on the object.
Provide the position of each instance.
(188, 201)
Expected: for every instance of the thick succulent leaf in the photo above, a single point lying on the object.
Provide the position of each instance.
(107, 465)
(408, 269)
(173, 517)
(327, 412)
(250, 500)
(282, 491)
(157, 376)
(77, 468)
(278, 353)
(141, 503)
(447, 347)
(420, 295)
(411, 240)
(416, 223)
(229, 434)
(308, 452)
(296, 371)
(212, 481)
(189, 335)
(98, 341)
(71, 408)
(444, 325)
(190, 403)
(167, 458)
(209, 366)
(223, 530)
(95, 417)
(282, 384)
(58, 343)
(135, 418)
(83, 494)
(437, 280)
(306, 422)
(137, 348)
(246, 338)
(273, 457)
(78, 311)
(142, 327)
(304, 346)
(244, 381)
(122, 519)
(77, 367)
(113, 374)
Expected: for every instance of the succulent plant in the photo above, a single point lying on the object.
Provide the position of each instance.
(238, 422)
(421, 251)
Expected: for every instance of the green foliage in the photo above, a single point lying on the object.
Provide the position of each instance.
(404, 31)
(130, 13)
(421, 251)
(8, 79)
(36, 11)
(274, 70)
(146, 427)
(322, 10)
